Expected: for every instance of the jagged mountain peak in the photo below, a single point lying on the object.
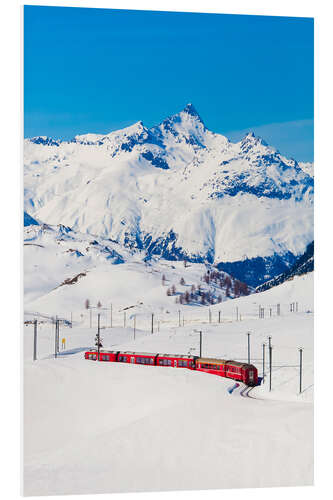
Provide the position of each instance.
(191, 110)
(251, 138)
(44, 140)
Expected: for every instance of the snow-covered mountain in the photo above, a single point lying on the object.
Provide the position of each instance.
(177, 191)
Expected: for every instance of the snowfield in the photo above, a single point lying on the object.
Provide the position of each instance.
(92, 427)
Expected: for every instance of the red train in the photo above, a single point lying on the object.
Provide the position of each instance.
(242, 372)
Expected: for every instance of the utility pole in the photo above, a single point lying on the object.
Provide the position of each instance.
(219, 316)
(111, 316)
(300, 369)
(98, 334)
(296, 306)
(152, 323)
(71, 320)
(90, 317)
(134, 326)
(179, 318)
(263, 362)
(124, 319)
(270, 363)
(35, 340)
(278, 309)
(56, 338)
(210, 315)
(248, 348)
(236, 313)
(200, 343)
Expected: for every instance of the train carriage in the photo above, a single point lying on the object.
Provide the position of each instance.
(104, 355)
(176, 361)
(211, 365)
(137, 358)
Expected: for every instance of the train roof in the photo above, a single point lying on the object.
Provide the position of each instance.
(182, 356)
(214, 361)
(139, 353)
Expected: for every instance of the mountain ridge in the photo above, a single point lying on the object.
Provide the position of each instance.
(176, 190)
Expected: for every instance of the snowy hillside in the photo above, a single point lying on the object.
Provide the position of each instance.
(64, 268)
(177, 191)
(114, 423)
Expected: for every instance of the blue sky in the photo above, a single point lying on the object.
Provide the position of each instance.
(97, 70)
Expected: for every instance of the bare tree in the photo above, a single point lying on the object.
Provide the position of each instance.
(99, 304)
(182, 281)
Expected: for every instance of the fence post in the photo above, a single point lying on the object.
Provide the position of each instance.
(152, 323)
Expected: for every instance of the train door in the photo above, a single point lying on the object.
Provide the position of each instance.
(132, 359)
(251, 377)
(175, 363)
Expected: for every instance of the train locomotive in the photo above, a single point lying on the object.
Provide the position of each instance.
(242, 372)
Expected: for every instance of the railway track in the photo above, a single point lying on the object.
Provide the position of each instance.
(245, 392)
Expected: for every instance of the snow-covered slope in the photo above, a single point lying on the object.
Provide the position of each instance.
(177, 190)
(113, 422)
